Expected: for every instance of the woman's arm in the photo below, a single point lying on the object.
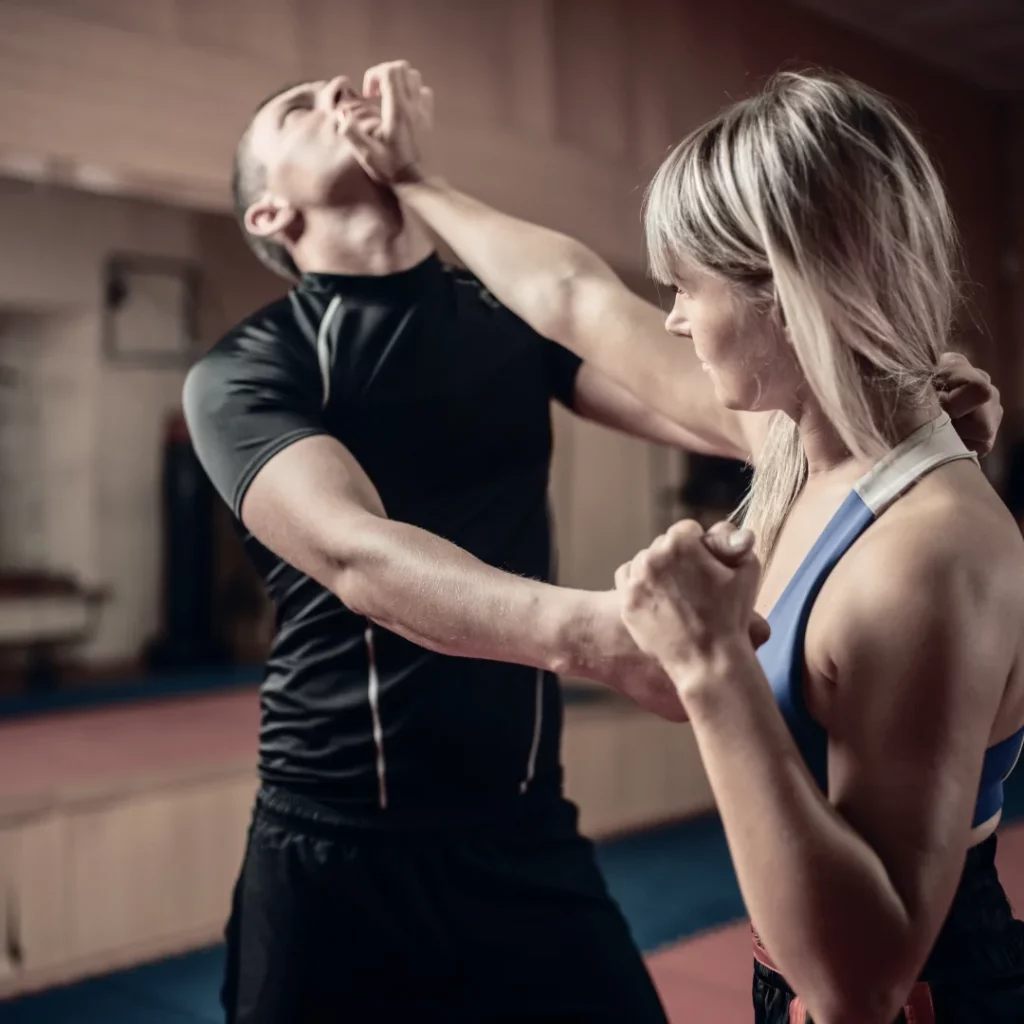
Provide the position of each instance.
(566, 292)
(561, 288)
(848, 893)
(569, 294)
(601, 400)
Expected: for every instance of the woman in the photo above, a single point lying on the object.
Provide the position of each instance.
(857, 758)
(808, 238)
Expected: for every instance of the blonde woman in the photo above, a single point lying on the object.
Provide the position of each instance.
(857, 759)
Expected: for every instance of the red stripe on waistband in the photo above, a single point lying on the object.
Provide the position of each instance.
(920, 1008)
(761, 955)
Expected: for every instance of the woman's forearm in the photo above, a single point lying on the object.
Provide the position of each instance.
(566, 292)
(819, 896)
(529, 268)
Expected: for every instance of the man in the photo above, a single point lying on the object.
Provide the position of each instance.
(383, 436)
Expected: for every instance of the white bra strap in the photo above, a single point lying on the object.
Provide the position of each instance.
(929, 447)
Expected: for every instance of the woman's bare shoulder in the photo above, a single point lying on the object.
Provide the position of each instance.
(947, 556)
(952, 521)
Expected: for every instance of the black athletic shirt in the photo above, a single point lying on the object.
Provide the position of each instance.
(443, 396)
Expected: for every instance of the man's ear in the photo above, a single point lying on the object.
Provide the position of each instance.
(268, 216)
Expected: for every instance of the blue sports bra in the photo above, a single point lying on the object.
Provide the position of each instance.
(782, 657)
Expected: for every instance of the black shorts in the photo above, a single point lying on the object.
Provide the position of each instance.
(335, 923)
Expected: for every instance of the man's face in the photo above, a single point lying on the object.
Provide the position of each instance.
(296, 137)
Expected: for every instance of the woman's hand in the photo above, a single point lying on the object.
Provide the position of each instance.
(690, 595)
(393, 154)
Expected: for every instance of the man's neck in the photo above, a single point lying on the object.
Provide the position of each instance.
(370, 238)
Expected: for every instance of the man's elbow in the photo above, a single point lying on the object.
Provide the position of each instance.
(352, 571)
(352, 587)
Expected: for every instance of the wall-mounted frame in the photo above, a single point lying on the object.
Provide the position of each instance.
(150, 310)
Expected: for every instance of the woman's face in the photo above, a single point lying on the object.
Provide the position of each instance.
(740, 345)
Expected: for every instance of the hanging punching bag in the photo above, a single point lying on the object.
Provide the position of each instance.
(187, 639)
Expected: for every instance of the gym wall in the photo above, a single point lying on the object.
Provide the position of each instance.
(555, 109)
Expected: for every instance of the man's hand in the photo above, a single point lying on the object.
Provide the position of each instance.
(683, 602)
(972, 401)
(393, 154)
(606, 653)
(610, 655)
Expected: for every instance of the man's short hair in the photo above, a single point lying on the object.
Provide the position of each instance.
(248, 180)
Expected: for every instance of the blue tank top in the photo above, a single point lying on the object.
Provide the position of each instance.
(782, 657)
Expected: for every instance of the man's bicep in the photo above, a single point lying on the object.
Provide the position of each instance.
(255, 419)
(241, 412)
(307, 502)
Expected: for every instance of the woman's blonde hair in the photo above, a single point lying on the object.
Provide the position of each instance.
(816, 198)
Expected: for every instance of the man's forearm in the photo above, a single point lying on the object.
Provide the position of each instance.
(441, 597)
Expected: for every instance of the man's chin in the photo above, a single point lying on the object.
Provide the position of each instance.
(353, 186)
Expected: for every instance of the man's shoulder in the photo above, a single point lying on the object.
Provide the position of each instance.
(473, 286)
(275, 333)
(272, 346)
(268, 325)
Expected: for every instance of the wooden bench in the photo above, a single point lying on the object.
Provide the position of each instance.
(40, 615)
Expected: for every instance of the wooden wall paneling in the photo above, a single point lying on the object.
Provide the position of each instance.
(42, 888)
(259, 30)
(33, 895)
(153, 17)
(563, 187)
(460, 47)
(933, 101)
(706, 68)
(163, 118)
(119, 100)
(611, 514)
(10, 837)
(592, 78)
(531, 87)
(651, 42)
(336, 38)
(160, 862)
(628, 769)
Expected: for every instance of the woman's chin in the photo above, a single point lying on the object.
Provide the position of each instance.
(737, 395)
(731, 398)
